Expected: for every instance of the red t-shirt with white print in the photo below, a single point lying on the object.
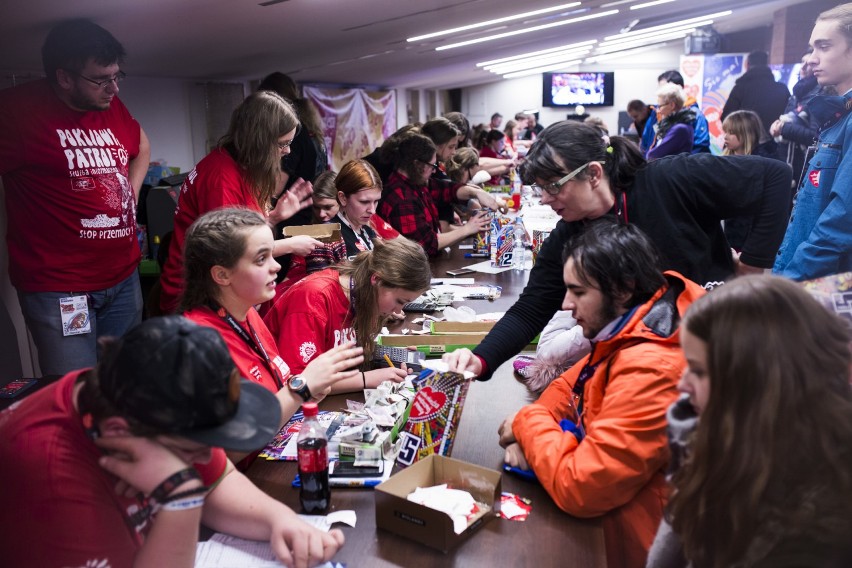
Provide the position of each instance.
(71, 210)
(310, 318)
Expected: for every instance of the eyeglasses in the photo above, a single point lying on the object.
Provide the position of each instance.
(117, 78)
(284, 145)
(555, 187)
(434, 166)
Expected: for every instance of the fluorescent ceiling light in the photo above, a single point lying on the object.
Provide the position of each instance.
(535, 53)
(537, 61)
(680, 23)
(527, 30)
(542, 69)
(619, 3)
(685, 29)
(625, 53)
(496, 21)
(640, 42)
(649, 4)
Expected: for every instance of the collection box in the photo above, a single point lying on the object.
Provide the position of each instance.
(395, 513)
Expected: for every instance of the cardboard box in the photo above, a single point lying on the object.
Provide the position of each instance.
(395, 513)
(438, 344)
(444, 327)
(325, 232)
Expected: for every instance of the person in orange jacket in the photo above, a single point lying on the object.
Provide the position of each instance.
(596, 439)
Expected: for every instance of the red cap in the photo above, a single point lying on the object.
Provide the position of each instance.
(310, 409)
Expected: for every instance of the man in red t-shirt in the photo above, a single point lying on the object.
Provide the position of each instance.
(118, 465)
(72, 161)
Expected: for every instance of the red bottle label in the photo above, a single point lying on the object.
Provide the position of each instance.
(313, 460)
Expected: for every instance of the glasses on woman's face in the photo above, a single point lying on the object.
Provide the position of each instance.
(434, 166)
(555, 187)
(284, 145)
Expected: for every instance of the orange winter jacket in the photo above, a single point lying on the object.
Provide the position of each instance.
(617, 471)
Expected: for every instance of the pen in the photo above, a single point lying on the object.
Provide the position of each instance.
(390, 363)
(476, 255)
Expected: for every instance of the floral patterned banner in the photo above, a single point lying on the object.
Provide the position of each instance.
(355, 121)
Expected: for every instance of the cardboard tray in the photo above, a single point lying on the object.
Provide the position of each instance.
(442, 327)
(395, 513)
(437, 344)
(325, 232)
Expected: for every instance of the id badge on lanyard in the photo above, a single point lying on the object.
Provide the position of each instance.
(74, 311)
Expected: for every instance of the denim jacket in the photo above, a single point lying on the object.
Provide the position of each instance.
(818, 241)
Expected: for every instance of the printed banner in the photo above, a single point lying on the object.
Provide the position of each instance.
(355, 121)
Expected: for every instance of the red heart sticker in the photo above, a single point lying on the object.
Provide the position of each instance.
(690, 67)
(427, 404)
(814, 177)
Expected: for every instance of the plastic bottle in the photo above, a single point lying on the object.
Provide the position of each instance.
(312, 446)
(516, 190)
(518, 251)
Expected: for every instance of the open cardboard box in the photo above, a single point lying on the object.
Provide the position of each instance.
(395, 513)
(442, 327)
(325, 232)
(437, 344)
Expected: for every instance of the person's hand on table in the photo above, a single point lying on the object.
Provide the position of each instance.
(299, 545)
(462, 360)
(515, 457)
(334, 365)
(507, 436)
(140, 463)
(378, 376)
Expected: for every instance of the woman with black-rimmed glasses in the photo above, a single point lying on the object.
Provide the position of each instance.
(679, 201)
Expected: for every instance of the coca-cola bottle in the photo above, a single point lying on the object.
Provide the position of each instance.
(315, 494)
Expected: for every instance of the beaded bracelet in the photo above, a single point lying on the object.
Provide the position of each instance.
(161, 493)
(183, 504)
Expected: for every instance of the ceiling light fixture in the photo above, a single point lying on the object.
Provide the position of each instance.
(527, 30)
(692, 21)
(624, 53)
(538, 61)
(639, 42)
(686, 28)
(649, 4)
(537, 70)
(495, 21)
(535, 53)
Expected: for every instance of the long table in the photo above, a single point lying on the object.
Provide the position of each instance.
(548, 537)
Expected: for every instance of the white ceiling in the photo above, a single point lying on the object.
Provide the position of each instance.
(335, 41)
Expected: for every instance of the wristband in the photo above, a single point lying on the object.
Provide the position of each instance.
(364, 378)
(184, 494)
(161, 493)
(183, 504)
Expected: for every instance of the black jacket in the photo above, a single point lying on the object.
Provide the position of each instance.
(679, 202)
(756, 90)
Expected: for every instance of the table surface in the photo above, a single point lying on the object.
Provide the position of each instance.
(546, 536)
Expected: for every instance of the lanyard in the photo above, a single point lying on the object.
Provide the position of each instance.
(362, 237)
(621, 209)
(253, 341)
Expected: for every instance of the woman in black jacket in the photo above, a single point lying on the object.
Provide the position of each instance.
(679, 201)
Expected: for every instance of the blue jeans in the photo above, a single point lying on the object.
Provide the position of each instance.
(111, 312)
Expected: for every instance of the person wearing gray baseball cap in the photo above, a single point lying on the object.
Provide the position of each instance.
(117, 465)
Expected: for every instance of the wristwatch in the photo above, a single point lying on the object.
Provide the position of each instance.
(299, 386)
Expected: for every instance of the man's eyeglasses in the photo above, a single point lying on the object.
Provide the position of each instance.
(434, 166)
(555, 187)
(284, 145)
(117, 78)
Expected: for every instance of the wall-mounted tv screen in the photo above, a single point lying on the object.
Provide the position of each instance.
(578, 88)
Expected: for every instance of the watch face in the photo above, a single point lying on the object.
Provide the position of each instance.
(297, 382)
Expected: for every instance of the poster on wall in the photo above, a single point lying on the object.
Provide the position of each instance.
(709, 79)
(355, 121)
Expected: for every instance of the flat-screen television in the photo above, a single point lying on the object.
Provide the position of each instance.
(587, 88)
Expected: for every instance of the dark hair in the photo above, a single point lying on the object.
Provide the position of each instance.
(496, 115)
(757, 59)
(440, 130)
(390, 147)
(70, 45)
(770, 456)
(285, 86)
(616, 259)
(671, 76)
(461, 122)
(636, 105)
(398, 263)
(494, 135)
(567, 145)
(217, 238)
(252, 140)
(413, 147)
